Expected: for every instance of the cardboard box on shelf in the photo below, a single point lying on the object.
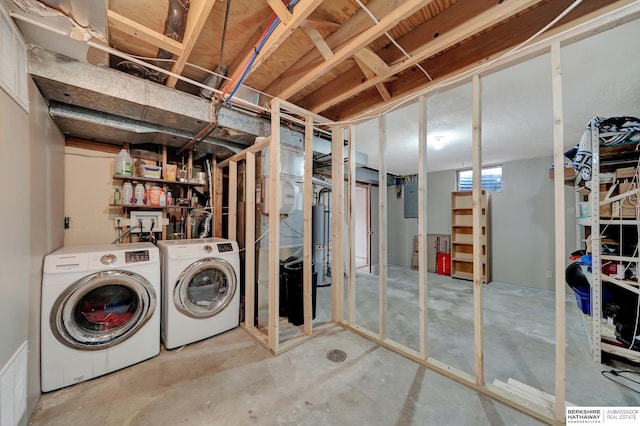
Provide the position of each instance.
(169, 171)
(605, 210)
(626, 172)
(569, 173)
(628, 204)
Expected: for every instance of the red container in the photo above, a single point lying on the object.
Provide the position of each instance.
(443, 263)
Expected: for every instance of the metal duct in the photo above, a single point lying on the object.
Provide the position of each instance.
(174, 27)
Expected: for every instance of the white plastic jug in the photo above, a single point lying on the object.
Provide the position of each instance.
(124, 164)
(139, 194)
(127, 193)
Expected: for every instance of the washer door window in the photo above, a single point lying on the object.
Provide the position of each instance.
(205, 288)
(102, 310)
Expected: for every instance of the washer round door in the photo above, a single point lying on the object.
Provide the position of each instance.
(205, 288)
(102, 310)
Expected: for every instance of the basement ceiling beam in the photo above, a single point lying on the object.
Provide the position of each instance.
(359, 22)
(292, 82)
(198, 14)
(281, 10)
(132, 28)
(485, 20)
(301, 12)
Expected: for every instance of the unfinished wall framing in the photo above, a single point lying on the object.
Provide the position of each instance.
(526, 402)
(269, 336)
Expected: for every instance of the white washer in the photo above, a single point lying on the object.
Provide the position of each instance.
(200, 289)
(100, 311)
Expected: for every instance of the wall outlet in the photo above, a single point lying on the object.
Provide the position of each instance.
(549, 274)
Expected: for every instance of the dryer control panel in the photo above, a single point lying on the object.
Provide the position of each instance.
(225, 247)
(136, 256)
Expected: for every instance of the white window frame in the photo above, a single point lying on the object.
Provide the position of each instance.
(484, 186)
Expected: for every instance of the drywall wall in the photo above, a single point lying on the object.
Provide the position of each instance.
(375, 227)
(521, 233)
(88, 192)
(16, 226)
(522, 245)
(31, 183)
(46, 155)
(400, 241)
(400, 230)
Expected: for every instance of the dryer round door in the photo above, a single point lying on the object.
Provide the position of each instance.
(205, 288)
(102, 310)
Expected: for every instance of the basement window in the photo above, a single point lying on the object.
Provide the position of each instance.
(491, 179)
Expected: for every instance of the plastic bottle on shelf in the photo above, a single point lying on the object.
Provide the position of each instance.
(147, 199)
(139, 194)
(169, 198)
(127, 193)
(117, 197)
(163, 198)
(124, 164)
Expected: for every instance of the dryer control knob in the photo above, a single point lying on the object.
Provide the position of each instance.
(108, 259)
(207, 249)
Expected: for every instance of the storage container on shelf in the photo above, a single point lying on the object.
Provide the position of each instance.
(139, 194)
(127, 193)
(124, 164)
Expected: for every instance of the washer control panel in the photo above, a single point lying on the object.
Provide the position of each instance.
(136, 256)
(225, 247)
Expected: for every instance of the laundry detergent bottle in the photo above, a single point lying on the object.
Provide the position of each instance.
(124, 164)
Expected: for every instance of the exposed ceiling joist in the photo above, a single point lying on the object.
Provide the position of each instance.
(281, 10)
(292, 82)
(198, 14)
(301, 11)
(359, 22)
(131, 27)
(483, 21)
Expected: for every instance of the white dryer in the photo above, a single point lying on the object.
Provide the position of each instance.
(100, 311)
(200, 289)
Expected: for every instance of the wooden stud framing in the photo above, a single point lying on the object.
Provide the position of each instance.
(422, 226)
(382, 228)
(217, 198)
(477, 229)
(189, 191)
(337, 203)
(273, 330)
(508, 398)
(250, 241)
(351, 229)
(232, 216)
(559, 226)
(307, 230)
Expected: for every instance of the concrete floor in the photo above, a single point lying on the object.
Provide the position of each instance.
(230, 379)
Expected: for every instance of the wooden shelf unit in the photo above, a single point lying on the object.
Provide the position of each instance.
(462, 236)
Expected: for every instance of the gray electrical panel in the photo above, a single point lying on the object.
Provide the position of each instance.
(411, 199)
